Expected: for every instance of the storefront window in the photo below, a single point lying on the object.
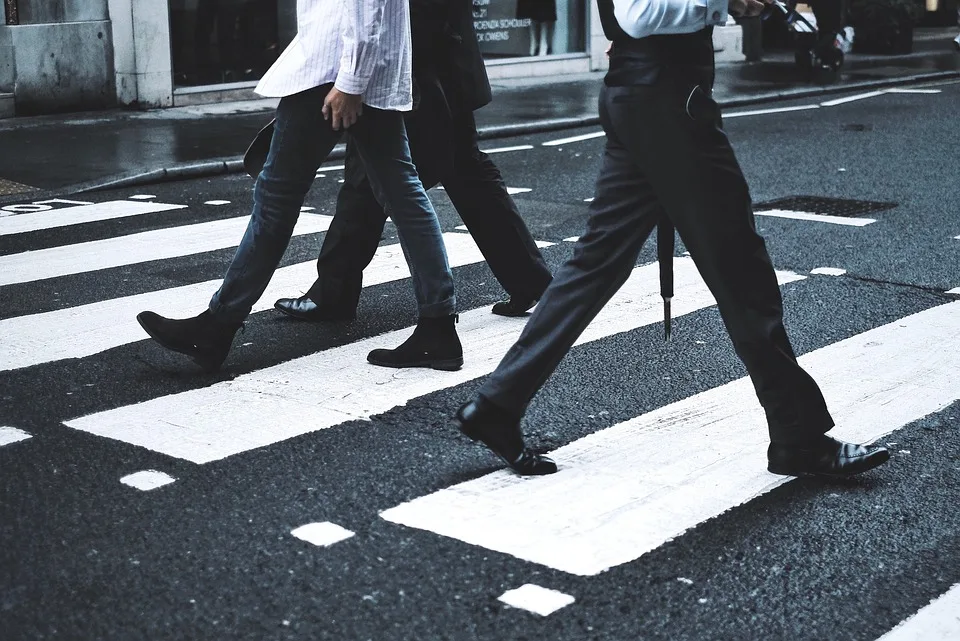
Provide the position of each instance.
(222, 41)
(520, 28)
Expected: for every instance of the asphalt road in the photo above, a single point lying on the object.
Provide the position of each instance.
(678, 556)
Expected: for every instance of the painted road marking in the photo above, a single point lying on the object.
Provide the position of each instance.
(939, 621)
(955, 290)
(81, 331)
(828, 271)
(322, 534)
(501, 150)
(518, 190)
(760, 112)
(65, 216)
(861, 96)
(147, 480)
(217, 203)
(626, 490)
(146, 246)
(819, 218)
(338, 385)
(536, 599)
(563, 141)
(142, 197)
(908, 90)
(10, 435)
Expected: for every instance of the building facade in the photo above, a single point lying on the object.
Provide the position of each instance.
(65, 55)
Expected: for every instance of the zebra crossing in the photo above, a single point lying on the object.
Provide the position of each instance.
(621, 492)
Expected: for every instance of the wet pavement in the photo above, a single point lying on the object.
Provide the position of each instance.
(76, 151)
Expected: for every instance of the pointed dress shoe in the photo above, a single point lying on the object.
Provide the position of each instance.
(481, 420)
(305, 309)
(514, 306)
(204, 339)
(434, 344)
(825, 456)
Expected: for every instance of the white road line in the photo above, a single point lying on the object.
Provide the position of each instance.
(146, 246)
(322, 534)
(536, 599)
(563, 141)
(331, 168)
(819, 218)
(10, 435)
(81, 331)
(955, 290)
(82, 214)
(908, 90)
(862, 96)
(147, 480)
(518, 190)
(760, 112)
(142, 197)
(626, 490)
(939, 621)
(571, 239)
(217, 203)
(828, 271)
(337, 385)
(501, 150)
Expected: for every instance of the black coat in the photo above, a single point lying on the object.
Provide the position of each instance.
(445, 46)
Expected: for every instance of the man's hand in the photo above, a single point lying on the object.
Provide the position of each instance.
(341, 108)
(746, 8)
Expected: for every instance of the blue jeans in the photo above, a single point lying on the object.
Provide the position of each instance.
(302, 140)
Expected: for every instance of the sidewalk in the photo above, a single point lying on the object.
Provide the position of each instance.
(51, 155)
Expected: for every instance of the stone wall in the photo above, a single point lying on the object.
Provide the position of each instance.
(59, 57)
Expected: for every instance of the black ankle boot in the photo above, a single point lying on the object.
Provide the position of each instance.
(204, 339)
(434, 343)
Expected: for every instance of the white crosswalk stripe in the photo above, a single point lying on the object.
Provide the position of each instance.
(626, 490)
(81, 331)
(65, 216)
(172, 242)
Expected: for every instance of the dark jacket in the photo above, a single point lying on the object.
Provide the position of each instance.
(445, 46)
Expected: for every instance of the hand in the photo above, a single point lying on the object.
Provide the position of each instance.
(341, 108)
(746, 8)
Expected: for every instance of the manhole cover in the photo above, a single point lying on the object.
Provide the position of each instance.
(825, 206)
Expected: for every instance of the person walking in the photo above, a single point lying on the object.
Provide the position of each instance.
(452, 82)
(348, 69)
(667, 156)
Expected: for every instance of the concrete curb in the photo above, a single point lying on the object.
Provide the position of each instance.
(235, 164)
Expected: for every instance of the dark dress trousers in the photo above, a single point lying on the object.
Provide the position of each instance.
(667, 155)
(451, 82)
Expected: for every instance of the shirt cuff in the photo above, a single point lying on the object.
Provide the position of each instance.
(716, 12)
(356, 85)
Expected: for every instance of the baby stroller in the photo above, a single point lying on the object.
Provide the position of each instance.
(819, 55)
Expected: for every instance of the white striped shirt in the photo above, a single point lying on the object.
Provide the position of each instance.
(642, 18)
(363, 46)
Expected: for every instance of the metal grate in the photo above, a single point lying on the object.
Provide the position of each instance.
(825, 206)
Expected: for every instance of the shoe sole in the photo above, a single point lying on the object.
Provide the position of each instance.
(864, 464)
(207, 366)
(445, 365)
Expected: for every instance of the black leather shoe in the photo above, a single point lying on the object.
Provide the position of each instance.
(514, 306)
(204, 339)
(434, 344)
(305, 309)
(824, 457)
(483, 421)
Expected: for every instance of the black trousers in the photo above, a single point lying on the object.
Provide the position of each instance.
(444, 147)
(667, 154)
